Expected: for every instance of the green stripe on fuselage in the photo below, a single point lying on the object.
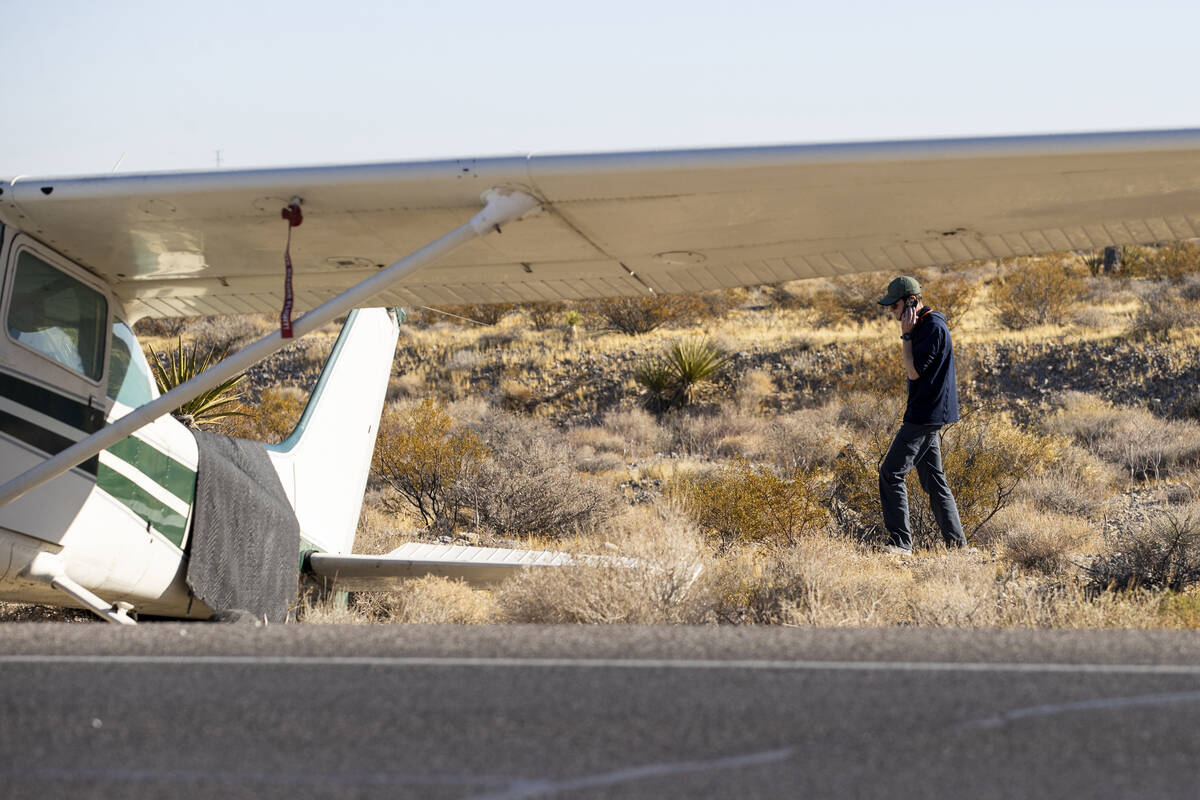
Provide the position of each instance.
(158, 467)
(167, 521)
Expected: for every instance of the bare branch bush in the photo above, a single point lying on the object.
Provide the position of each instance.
(527, 484)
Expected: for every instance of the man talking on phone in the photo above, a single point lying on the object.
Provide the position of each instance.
(932, 403)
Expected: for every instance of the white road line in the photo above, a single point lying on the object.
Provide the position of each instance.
(605, 663)
(539, 788)
(1097, 704)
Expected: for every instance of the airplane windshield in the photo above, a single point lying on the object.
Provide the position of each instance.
(129, 380)
(58, 316)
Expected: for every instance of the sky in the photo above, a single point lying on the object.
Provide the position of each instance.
(92, 86)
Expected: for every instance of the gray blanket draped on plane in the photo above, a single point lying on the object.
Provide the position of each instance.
(245, 546)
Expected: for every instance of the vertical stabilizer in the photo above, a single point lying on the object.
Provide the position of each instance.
(324, 463)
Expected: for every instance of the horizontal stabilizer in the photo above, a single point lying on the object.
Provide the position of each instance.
(475, 565)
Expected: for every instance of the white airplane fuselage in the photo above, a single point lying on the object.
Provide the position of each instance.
(119, 524)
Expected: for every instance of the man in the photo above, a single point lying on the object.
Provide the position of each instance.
(932, 403)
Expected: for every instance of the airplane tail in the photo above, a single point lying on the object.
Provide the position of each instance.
(324, 463)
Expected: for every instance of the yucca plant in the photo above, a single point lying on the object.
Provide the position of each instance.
(174, 368)
(656, 376)
(676, 379)
(694, 362)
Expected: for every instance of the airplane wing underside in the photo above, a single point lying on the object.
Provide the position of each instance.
(614, 224)
(482, 566)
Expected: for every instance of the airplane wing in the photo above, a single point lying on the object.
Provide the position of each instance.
(614, 223)
(482, 566)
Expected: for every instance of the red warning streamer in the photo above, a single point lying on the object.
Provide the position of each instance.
(294, 217)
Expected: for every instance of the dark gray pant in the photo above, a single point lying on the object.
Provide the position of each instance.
(919, 446)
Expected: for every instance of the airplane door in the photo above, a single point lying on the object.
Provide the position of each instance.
(52, 362)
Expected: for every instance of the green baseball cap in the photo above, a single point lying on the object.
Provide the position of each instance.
(899, 289)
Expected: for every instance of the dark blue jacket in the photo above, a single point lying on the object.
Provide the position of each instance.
(933, 397)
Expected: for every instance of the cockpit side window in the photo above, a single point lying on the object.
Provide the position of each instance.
(58, 316)
(129, 379)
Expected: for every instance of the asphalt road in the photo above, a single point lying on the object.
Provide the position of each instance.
(174, 710)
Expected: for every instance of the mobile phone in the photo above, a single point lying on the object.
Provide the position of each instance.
(910, 302)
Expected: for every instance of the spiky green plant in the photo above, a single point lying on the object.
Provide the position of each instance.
(656, 376)
(694, 362)
(676, 379)
(174, 368)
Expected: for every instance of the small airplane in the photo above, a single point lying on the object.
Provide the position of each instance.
(109, 503)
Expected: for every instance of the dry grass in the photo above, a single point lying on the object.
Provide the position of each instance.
(1042, 542)
(829, 582)
(660, 586)
(1146, 445)
(421, 601)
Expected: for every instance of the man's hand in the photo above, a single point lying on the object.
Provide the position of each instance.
(908, 319)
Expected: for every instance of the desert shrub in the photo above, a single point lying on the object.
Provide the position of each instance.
(1171, 262)
(951, 295)
(870, 367)
(1040, 293)
(872, 413)
(427, 601)
(1144, 444)
(1078, 483)
(420, 601)
(596, 439)
(484, 313)
(379, 530)
(226, 333)
(498, 341)
(755, 388)
(408, 384)
(705, 432)
(655, 573)
(548, 314)
(272, 418)
(853, 299)
(161, 327)
(638, 431)
(985, 456)
(642, 314)
(588, 460)
(807, 438)
(820, 580)
(527, 484)
(743, 503)
(1162, 555)
(1162, 312)
(1092, 317)
(718, 303)
(425, 458)
(463, 360)
(1038, 541)
(677, 378)
(1180, 610)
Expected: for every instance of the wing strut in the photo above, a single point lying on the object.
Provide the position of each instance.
(502, 206)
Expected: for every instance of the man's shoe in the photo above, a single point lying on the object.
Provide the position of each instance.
(893, 550)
